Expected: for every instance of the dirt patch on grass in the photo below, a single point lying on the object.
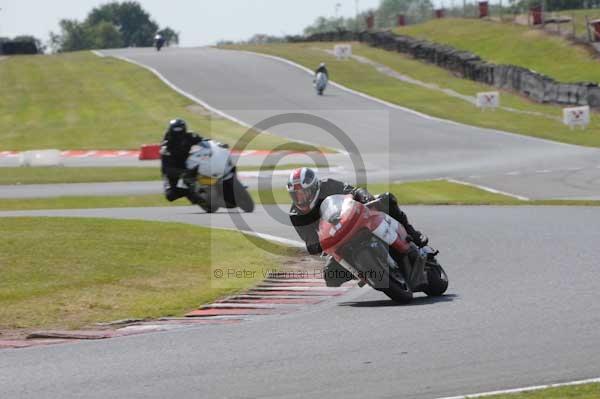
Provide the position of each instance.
(200, 110)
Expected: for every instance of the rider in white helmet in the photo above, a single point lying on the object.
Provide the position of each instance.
(323, 69)
(308, 192)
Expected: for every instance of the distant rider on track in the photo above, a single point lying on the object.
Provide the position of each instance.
(308, 192)
(322, 69)
(174, 151)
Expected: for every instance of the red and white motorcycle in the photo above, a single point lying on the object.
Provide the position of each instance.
(359, 237)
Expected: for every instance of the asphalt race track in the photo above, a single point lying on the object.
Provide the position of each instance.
(397, 143)
(522, 309)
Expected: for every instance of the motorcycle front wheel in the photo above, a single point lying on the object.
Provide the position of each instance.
(211, 200)
(391, 284)
(437, 279)
(242, 197)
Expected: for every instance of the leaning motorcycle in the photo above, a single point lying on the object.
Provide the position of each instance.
(321, 81)
(358, 236)
(213, 176)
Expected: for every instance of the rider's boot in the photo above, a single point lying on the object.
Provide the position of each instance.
(334, 274)
(412, 266)
(193, 197)
(418, 276)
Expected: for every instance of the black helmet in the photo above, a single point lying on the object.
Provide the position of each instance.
(177, 126)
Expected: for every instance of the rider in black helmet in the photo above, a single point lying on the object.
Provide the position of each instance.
(174, 152)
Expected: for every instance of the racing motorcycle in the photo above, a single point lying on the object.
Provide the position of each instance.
(159, 42)
(321, 81)
(213, 176)
(358, 237)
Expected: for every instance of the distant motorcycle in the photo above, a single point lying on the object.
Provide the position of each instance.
(212, 175)
(358, 236)
(159, 42)
(321, 81)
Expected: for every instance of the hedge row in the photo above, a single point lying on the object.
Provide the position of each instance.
(18, 47)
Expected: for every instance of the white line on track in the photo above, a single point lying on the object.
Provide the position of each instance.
(527, 389)
(488, 189)
(192, 97)
(269, 237)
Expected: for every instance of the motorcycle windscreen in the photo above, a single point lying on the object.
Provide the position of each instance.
(334, 206)
(210, 160)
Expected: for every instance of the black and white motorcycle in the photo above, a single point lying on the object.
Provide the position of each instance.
(213, 177)
(321, 81)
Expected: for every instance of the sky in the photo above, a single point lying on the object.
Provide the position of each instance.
(200, 22)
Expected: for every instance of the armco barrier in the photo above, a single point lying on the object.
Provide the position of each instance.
(149, 152)
(531, 84)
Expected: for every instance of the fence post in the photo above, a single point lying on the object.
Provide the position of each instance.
(401, 21)
(501, 11)
(587, 26)
(370, 21)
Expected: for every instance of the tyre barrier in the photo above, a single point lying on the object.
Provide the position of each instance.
(149, 152)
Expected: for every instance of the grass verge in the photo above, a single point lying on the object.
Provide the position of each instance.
(545, 123)
(81, 101)
(587, 391)
(435, 192)
(10, 176)
(59, 272)
(507, 43)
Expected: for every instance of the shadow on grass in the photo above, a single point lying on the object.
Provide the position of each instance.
(417, 301)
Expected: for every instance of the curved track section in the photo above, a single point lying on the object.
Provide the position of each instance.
(252, 87)
(521, 310)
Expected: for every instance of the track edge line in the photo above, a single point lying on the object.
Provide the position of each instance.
(526, 389)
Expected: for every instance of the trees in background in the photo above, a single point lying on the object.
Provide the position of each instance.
(111, 25)
(385, 16)
(416, 10)
(420, 10)
(23, 44)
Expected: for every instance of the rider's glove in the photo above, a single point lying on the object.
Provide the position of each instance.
(363, 196)
(420, 239)
(164, 151)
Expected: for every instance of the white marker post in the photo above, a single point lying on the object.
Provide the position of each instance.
(489, 100)
(576, 116)
(343, 51)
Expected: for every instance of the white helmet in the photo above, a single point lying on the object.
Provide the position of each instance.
(321, 65)
(304, 187)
